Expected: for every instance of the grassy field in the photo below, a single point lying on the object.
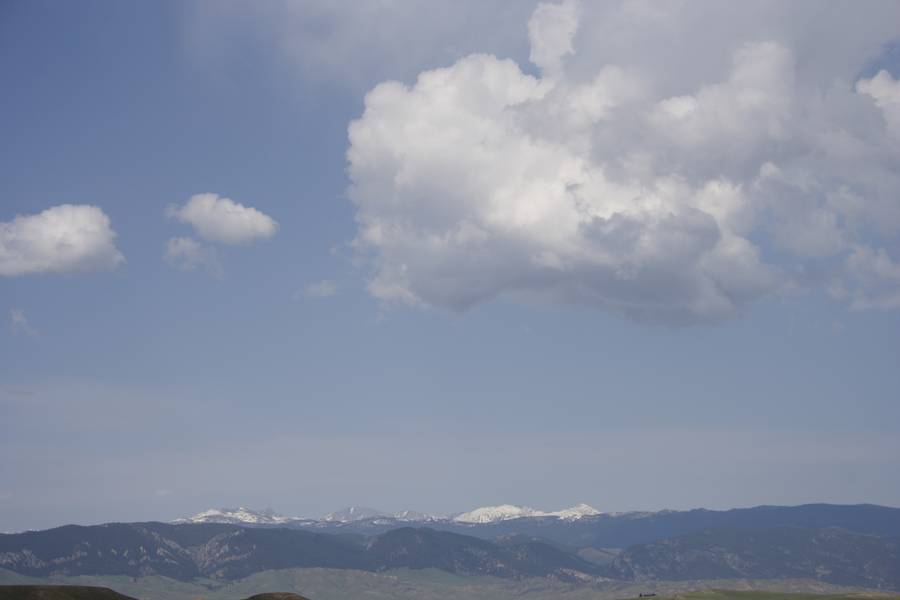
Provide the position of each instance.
(428, 584)
(725, 594)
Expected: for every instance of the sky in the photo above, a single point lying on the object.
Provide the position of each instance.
(409, 255)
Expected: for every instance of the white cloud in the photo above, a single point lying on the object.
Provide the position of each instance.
(62, 239)
(188, 254)
(321, 289)
(605, 182)
(550, 31)
(885, 91)
(162, 493)
(871, 280)
(223, 220)
(18, 321)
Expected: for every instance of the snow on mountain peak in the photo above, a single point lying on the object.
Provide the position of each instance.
(354, 513)
(504, 512)
(238, 515)
(412, 515)
(486, 514)
(576, 512)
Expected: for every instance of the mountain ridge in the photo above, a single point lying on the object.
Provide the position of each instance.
(506, 512)
(224, 551)
(351, 514)
(830, 554)
(854, 545)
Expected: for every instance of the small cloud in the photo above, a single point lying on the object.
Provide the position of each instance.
(222, 220)
(188, 254)
(320, 289)
(162, 493)
(19, 323)
(67, 238)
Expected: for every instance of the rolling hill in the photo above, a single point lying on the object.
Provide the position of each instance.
(832, 555)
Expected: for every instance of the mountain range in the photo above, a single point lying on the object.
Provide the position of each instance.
(847, 545)
(353, 514)
(223, 551)
(597, 530)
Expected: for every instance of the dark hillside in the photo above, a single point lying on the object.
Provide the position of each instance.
(58, 592)
(829, 555)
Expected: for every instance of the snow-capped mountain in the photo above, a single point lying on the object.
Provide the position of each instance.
(370, 516)
(492, 514)
(575, 512)
(505, 512)
(354, 513)
(238, 516)
(414, 516)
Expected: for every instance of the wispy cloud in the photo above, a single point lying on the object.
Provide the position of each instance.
(188, 254)
(320, 289)
(19, 323)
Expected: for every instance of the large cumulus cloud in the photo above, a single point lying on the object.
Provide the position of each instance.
(602, 178)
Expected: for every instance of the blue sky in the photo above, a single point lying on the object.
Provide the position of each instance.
(470, 345)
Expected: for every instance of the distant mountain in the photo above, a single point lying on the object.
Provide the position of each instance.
(265, 518)
(579, 511)
(421, 548)
(412, 516)
(223, 551)
(847, 545)
(493, 514)
(505, 512)
(182, 551)
(831, 555)
(354, 513)
(604, 530)
(240, 516)
(622, 530)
